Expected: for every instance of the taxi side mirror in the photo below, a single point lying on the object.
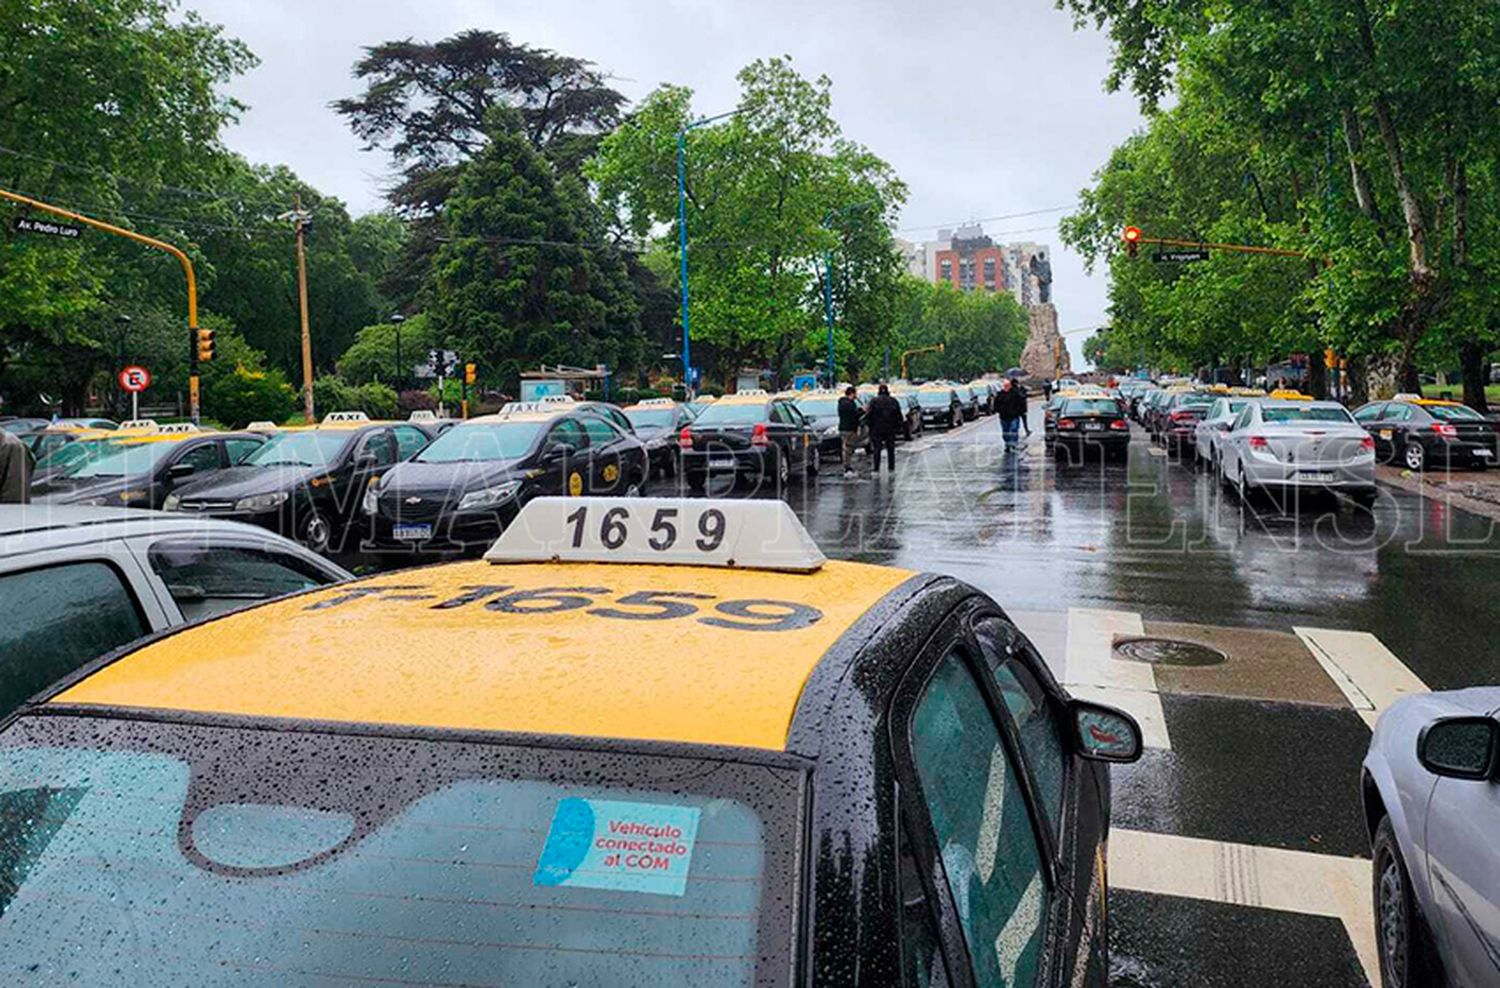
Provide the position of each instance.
(1105, 734)
(556, 451)
(365, 461)
(179, 470)
(1460, 748)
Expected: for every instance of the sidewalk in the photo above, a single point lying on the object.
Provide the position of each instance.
(1477, 492)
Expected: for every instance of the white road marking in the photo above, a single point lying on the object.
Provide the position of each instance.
(1156, 451)
(1249, 875)
(1090, 671)
(1370, 676)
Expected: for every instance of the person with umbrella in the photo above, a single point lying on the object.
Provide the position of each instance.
(1012, 408)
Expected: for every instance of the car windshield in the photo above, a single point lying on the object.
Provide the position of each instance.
(298, 449)
(1305, 413)
(651, 418)
(935, 399)
(172, 851)
(819, 407)
(733, 413)
(122, 461)
(1091, 406)
(63, 457)
(478, 441)
(1455, 413)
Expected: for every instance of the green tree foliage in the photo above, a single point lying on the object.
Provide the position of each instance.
(243, 395)
(525, 277)
(372, 356)
(767, 194)
(981, 332)
(1367, 136)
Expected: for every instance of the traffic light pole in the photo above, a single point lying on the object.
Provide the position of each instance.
(1133, 238)
(182, 258)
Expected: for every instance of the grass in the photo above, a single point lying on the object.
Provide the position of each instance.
(1456, 392)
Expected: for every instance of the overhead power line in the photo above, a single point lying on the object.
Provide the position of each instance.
(987, 219)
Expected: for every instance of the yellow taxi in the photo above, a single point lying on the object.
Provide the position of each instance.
(644, 742)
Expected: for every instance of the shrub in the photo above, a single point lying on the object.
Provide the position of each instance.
(244, 396)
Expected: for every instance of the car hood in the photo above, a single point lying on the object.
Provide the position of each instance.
(437, 479)
(234, 483)
(67, 490)
(821, 422)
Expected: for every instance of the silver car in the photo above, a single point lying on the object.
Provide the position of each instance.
(1289, 445)
(1431, 786)
(1208, 436)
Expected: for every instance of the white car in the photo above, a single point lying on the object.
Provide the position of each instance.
(1208, 435)
(1431, 788)
(1297, 444)
(77, 582)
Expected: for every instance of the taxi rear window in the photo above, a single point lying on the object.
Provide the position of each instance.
(275, 857)
(736, 413)
(1305, 413)
(1455, 413)
(1091, 406)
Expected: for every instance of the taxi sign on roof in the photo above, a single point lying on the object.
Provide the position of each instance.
(138, 425)
(684, 532)
(655, 402)
(334, 417)
(422, 415)
(262, 426)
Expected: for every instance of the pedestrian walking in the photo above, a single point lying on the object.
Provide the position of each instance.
(1012, 408)
(850, 416)
(1025, 397)
(15, 470)
(885, 418)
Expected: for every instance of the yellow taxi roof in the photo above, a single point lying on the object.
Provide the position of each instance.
(740, 399)
(382, 650)
(1430, 401)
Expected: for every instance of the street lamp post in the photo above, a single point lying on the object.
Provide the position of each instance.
(397, 320)
(682, 242)
(828, 280)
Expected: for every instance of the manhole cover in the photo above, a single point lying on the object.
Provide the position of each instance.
(1168, 652)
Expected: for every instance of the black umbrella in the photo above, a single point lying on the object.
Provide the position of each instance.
(1015, 372)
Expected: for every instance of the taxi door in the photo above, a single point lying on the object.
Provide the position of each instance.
(1464, 877)
(564, 460)
(606, 468)
(1371, 418)
(790, 433)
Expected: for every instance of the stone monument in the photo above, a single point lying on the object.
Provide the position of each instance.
(1045, 354)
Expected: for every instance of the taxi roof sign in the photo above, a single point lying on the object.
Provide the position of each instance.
(335, 417)
(138, 425)
(715, 532)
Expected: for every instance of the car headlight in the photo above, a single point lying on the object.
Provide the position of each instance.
(261, 502)
(371, 503)
(489, 496)
(170, 504)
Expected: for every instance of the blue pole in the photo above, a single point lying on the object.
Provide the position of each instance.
(828, 313)
(682, 250)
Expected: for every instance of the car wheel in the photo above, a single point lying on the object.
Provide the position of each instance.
(1414, 457)
(1400, 937)
(783, 470)
(1242, 486)
(814, 462)
(316, 531)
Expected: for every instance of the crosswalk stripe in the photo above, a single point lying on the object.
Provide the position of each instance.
(1249, 875)
(1367, 673)
(1090, 671)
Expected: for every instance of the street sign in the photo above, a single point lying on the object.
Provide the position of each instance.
(1189, 256)
(135, 379)
(28, 224)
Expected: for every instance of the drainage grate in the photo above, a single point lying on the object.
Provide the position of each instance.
(1168, 652)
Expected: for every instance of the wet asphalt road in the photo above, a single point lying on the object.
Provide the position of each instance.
(1264, 752)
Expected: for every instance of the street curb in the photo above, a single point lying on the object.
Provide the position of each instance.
(1414, 484)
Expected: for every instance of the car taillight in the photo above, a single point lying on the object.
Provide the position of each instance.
(1180, 416)
(759, 436)
(1257, 442)
(1368, 442)
(685, 438)
(1120, 424)
(1066, 424)
(1445, 430)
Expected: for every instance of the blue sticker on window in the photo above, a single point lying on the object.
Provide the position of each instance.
(624, 847)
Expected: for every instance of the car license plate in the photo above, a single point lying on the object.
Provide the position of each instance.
(1484, 452)
(412, 533)
(1093, 426)
(1318, 477)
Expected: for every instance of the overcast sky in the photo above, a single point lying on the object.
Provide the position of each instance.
(984, 108)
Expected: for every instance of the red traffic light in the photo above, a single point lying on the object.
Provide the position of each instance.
(1132, 234)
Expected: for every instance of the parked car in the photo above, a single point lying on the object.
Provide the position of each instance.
(1431, 786)
(307, 482)
(969, 399)
(144, 471)
(1090, 424)
(755, 437)
(1288, 445)
(77, 582)
(941, 406)
(657, 423)
(461, 491)
(1208, 434)
(911, 407)
(1177, 420)
(1421, 432)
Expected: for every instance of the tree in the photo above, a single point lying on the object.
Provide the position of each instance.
(981, 332)
(372, 356)
(767, 193)
(526, 277)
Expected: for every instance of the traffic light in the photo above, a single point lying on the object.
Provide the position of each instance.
(470, 373)
(205, 345)
(1132, 240)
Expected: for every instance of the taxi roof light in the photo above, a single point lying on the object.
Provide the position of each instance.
(333, 417)
(715, 532)
(138, 425)
(422, 415)
(264, 425)
(177, 428)
(655, 402)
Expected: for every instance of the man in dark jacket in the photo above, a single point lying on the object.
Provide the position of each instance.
(15, 470)
(886, 419)
(850, 415)
(1012, 408)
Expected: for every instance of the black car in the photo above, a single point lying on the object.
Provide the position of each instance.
(146, 471)
(758, 438)
(1418, 432)
(821, 409)
(461, 491)
(1176, 420)
(658, 423)
(940, 407)
(306, 483)
(911, 409)
(1091, 425)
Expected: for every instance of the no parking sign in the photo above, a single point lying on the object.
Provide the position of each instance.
(135, 379)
